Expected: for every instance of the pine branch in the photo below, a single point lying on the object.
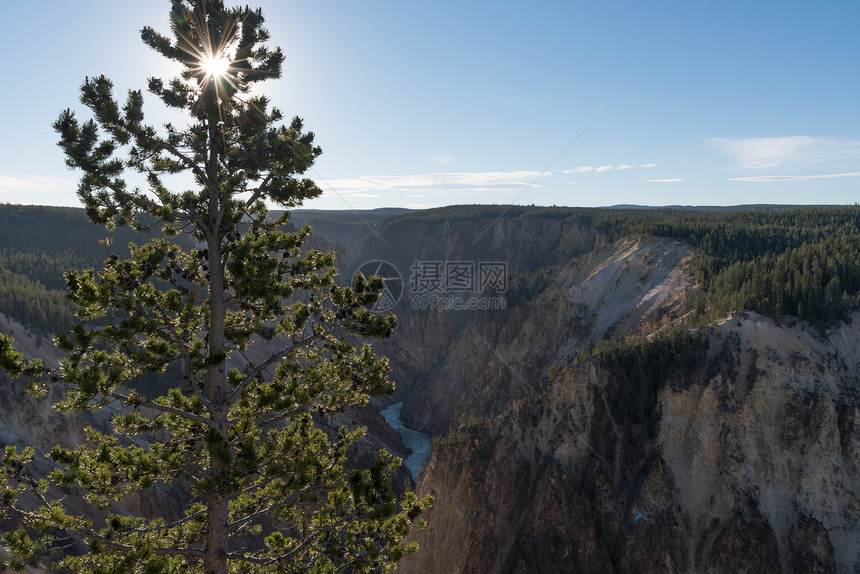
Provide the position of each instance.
(275, 358)
(126, 399)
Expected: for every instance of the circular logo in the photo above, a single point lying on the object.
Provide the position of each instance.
(392, 286)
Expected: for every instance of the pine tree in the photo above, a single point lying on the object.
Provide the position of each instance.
(264, 335)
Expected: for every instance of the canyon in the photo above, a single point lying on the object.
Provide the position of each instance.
(753, 463)
(724, 447)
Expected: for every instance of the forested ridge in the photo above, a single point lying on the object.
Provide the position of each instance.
(784, 260)
(802, 262)
(37, 245)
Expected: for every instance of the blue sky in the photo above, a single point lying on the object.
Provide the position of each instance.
(547, 103)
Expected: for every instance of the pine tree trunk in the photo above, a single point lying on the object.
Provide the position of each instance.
(215, 561)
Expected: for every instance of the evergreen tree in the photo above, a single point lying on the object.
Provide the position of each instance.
(263, 333)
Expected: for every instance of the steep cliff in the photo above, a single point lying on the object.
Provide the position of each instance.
(451, 365)
(526, 246)
(753, 467)
(737, 454)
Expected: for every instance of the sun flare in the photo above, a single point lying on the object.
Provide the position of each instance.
(215, 66)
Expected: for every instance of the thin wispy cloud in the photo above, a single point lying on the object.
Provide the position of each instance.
(580, 169)
(435, 182)
(671, 180)
(782, 178)
(770, 152)
(607, 167)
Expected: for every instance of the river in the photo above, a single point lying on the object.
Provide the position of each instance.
(416, 441)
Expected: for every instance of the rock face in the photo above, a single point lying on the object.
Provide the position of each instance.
(782, 441)
(744, 459)
(752, 469)
(426, 337)
(568, 287)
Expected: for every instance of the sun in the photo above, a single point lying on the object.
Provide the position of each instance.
(215, 66)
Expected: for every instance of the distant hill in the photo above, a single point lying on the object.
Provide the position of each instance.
(345, 227)
(722, 208)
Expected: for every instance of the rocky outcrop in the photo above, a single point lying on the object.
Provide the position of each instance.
(753, 467)
(632, 285)
(527, 246)
(780, 437)
(746, 459)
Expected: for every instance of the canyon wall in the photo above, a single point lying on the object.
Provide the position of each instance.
(744, 459)
(753, 467)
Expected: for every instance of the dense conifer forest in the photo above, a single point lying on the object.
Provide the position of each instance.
(800, 262)
(37, 246)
